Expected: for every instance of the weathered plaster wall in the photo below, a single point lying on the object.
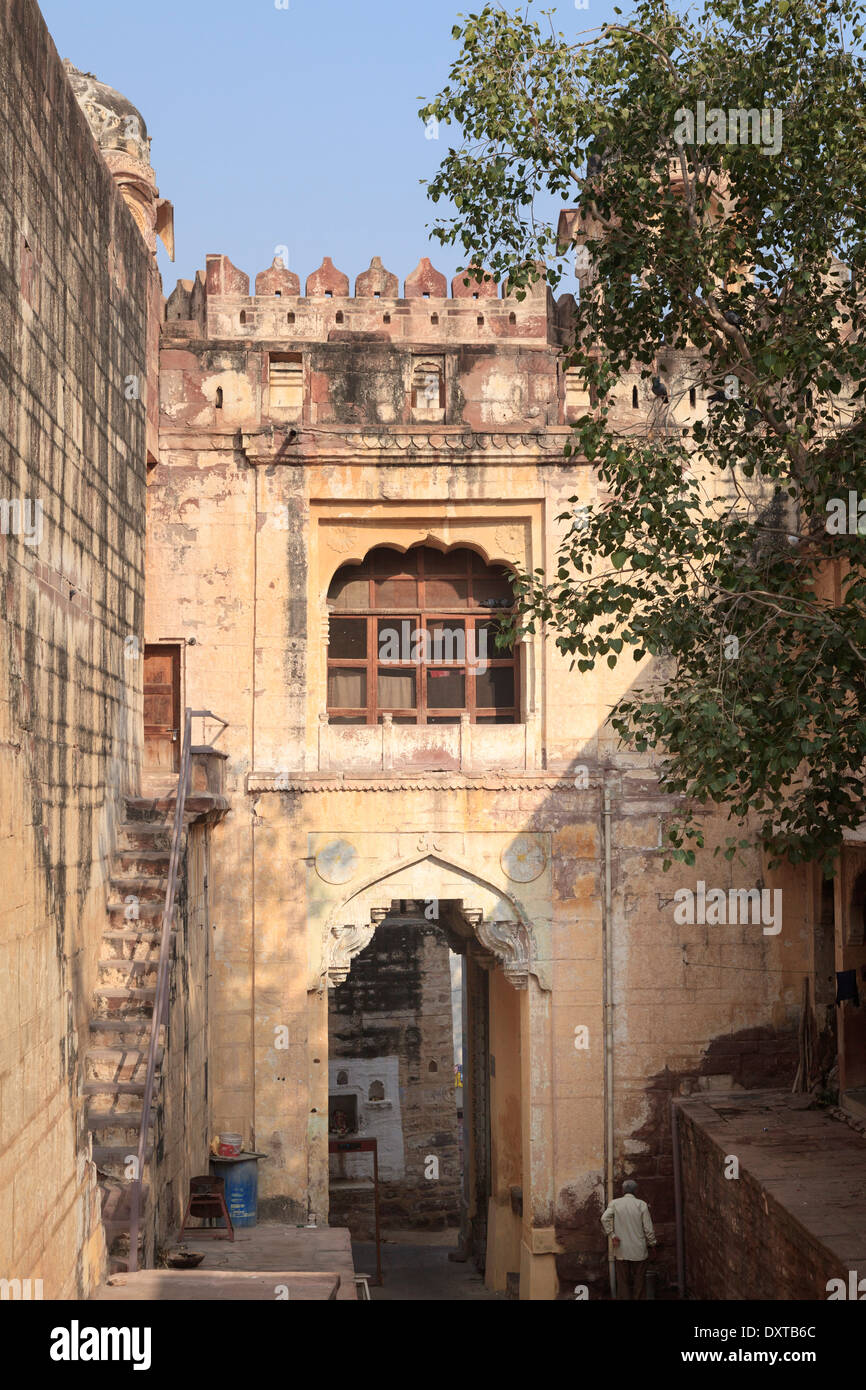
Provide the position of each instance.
(250, 516)
(75, 279)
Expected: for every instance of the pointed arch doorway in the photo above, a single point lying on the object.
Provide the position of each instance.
(507, 1178)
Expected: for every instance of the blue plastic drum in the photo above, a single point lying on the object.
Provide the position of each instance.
(241, 1178)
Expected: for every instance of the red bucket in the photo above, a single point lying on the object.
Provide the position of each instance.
(230, 1145)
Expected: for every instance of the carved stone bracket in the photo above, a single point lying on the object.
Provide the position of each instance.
(509, 942)
(504, 942)
(345, 942)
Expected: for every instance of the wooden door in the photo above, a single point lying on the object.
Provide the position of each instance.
(162, 708)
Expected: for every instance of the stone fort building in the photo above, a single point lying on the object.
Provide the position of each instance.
(249, 487)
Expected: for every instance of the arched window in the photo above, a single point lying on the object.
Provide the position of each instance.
(428, 386)
(414, 636)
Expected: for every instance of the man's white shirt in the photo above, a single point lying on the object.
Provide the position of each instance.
(628, 1217)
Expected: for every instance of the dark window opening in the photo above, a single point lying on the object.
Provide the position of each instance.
(219, 398)
(634, 400)
(290, 318)
(339, 317)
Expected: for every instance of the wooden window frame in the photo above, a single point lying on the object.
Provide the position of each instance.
(421, 617)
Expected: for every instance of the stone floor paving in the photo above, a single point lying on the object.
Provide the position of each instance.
(417, 1269)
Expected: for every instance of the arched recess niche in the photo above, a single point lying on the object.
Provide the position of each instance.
(502, 533)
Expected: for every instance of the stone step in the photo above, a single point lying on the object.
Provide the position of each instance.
(131, 967)
(135, 945)
(142, 863)
(114, 1098)
(128, 1001)
(149, 913)
(115, 1088)
(128, 974)
(120, 1064)
(116, 1128)
(113, 1159)
(144, 834)
(124, 1032)
(148, 888)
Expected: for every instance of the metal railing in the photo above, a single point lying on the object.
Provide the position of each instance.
(160, 1002)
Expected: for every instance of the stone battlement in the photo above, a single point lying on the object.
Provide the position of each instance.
(218, 304)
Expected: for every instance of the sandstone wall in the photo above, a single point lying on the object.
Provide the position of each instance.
(75, 277)
(250, 517)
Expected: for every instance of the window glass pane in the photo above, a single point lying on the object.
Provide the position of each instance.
(348, 719)
(446, 689)
(494, 687)
(396, 593)
(347, 688)
(447, 640)
(396, 689)
(486, 646)
(447, 593)
(443, 719)
(401, 719)
(347, 638)
(493, 590)
(350, 588)
(497, 719)
(398, 641)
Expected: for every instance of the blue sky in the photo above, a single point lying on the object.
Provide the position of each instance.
(293, 127)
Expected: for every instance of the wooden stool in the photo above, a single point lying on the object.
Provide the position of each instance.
(207, 1199)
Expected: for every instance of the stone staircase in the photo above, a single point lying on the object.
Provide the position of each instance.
(116, 1058)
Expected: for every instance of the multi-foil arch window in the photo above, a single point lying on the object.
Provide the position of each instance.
(428, 389)
(414, 636)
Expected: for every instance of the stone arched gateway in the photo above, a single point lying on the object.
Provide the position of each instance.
(505, 942)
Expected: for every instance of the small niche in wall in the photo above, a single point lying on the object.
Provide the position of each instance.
(432, 1066)
(376, 1091)
(342, 1078)
(218, 403)
(343, 1114)
(290, 318)
(339, 316)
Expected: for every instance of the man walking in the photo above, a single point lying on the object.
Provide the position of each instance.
(628, 1221)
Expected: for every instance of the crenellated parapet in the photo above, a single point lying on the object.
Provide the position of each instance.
(471, 311)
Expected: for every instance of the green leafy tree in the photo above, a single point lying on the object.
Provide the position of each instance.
(715, 545)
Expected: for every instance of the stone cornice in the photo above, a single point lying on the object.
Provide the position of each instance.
(318, 444)
(318, 782)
